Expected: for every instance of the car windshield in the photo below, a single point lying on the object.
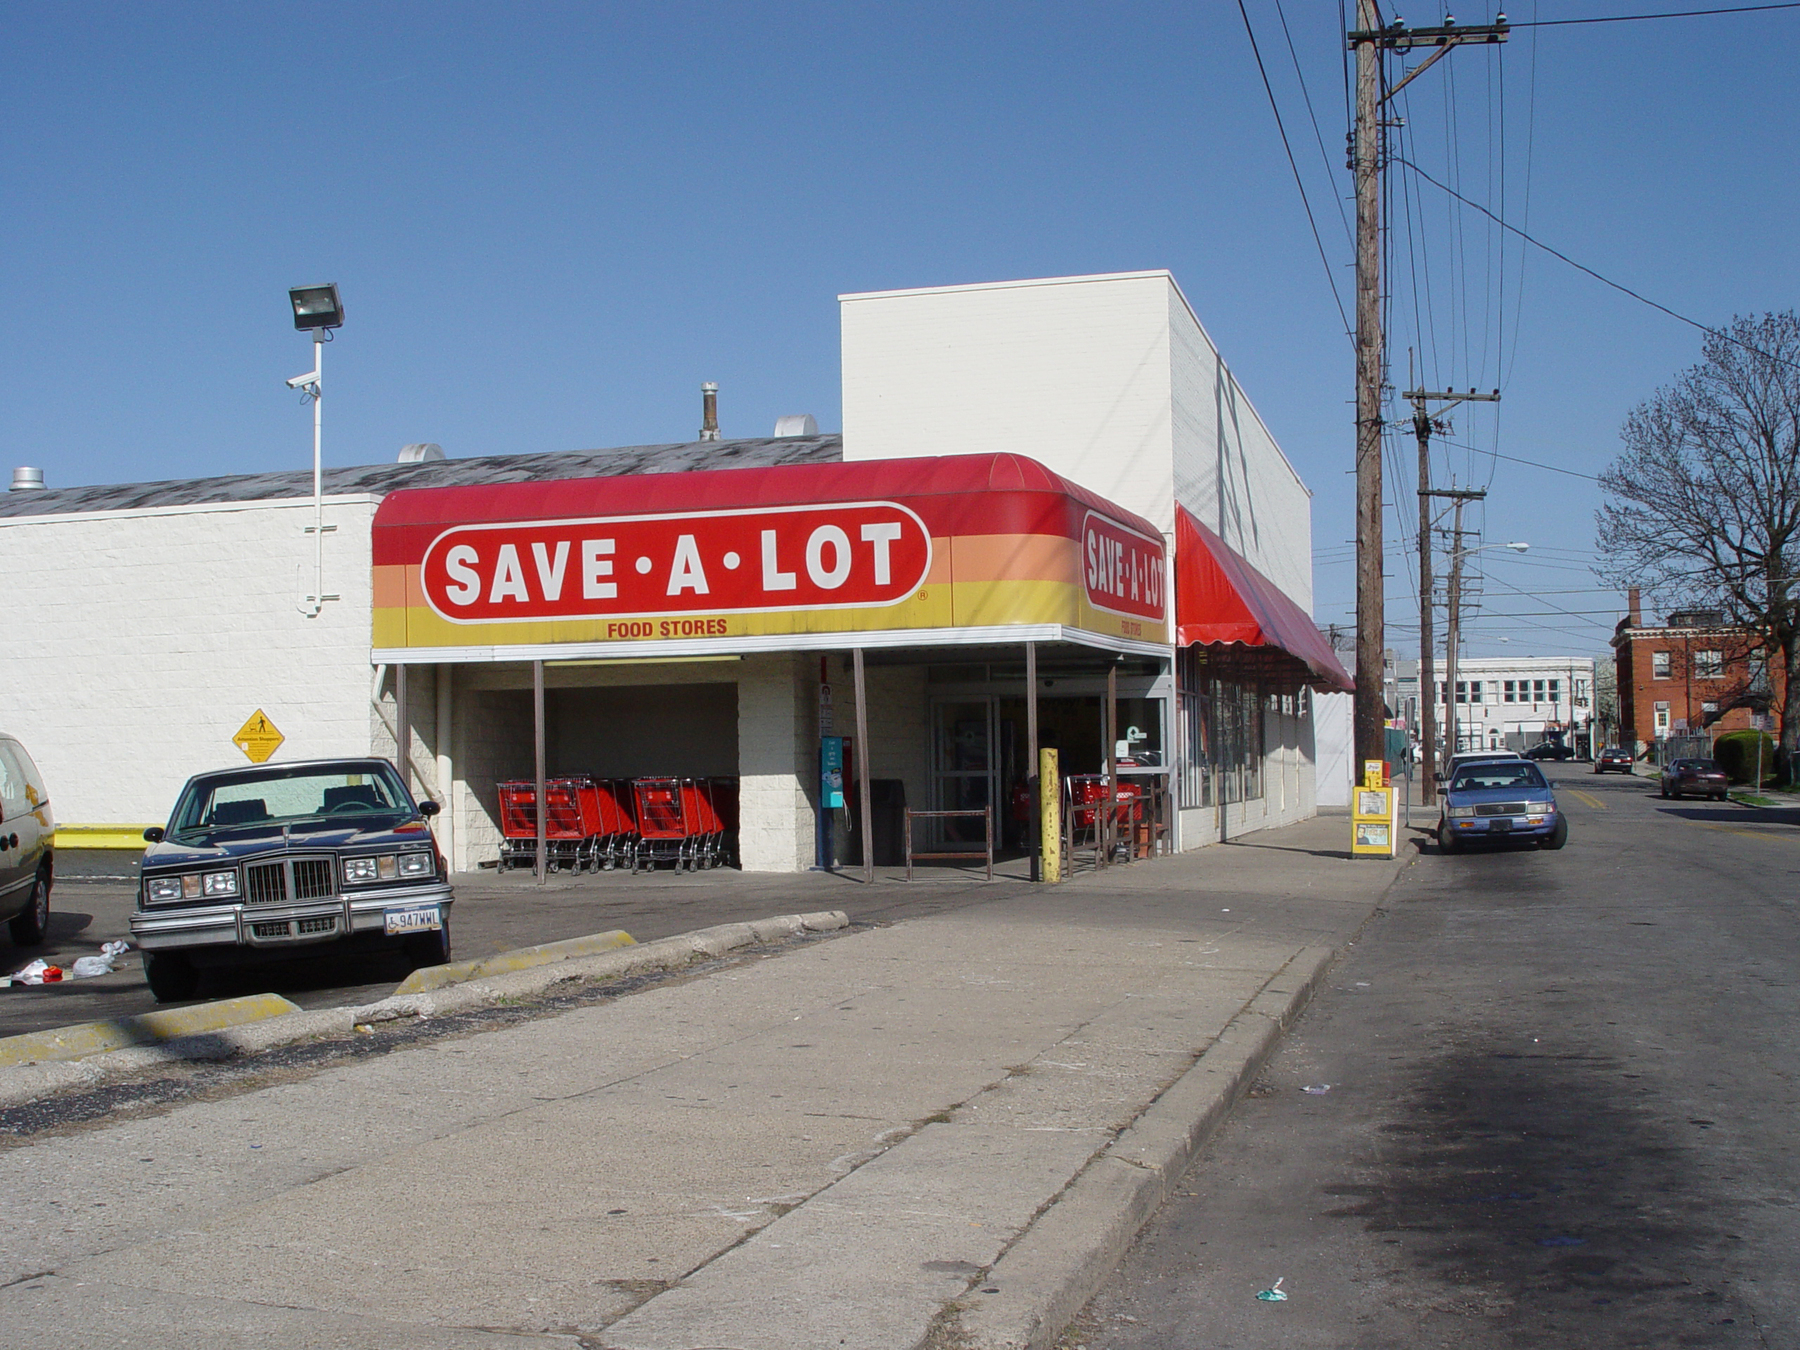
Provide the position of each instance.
(1497, 774)
(273, 798)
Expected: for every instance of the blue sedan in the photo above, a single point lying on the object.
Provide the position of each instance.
(1500, 801)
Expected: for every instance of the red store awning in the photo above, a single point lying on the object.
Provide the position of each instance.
(1220, 599)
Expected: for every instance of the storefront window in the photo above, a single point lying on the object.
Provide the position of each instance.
(1222, 736)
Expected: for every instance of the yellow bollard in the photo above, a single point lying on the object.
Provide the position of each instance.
(1049, 817)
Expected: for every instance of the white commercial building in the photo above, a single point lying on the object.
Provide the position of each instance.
(1508, 703)
(1055, 474)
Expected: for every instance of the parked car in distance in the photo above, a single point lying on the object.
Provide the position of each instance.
(27, 845)
(1614, 759)
(1462, 757)
(1550, 750)
(282, 861)
(1500, 801)
(1695, 778)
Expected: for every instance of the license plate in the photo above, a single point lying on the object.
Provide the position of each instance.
(1502, 826)
(414, 919)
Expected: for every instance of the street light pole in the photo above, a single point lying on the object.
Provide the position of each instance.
(317, 310)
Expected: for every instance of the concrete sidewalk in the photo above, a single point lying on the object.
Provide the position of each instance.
(938, 1132)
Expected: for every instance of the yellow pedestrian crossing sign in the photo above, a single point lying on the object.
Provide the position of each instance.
(257, 738)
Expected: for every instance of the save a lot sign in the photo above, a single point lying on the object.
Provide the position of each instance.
(903, 545)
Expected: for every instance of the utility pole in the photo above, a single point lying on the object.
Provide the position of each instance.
(1369, 732)
(1453, 627)
(1369, 40)
(1423, 425)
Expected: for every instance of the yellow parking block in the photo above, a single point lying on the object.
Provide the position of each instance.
(523, 958)
(96, 1038)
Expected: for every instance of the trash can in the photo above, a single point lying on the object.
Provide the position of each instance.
(887, 807)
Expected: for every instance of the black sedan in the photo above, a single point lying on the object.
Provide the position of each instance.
(284, 861)
(1615, 759)
(1550, 750)
(1694, 778)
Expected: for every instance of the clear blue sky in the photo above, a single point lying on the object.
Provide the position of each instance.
(552, 221)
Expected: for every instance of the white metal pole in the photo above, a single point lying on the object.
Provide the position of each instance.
(318, 596)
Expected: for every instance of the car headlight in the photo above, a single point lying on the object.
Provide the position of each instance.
(219, 883)
(358, 869)
(1541, 808)
(1459, 812)
(164, 888)
(415, 865)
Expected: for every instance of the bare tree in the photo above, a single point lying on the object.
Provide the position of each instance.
(1705, 501)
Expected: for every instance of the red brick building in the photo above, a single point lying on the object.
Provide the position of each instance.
(1692, 674)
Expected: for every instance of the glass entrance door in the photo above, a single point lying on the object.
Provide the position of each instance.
(964, 766)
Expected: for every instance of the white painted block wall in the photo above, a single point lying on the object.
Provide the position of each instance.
(778, 748)
(138, 642)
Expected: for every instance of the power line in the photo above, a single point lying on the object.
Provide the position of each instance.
(1639, 18)
(1582, 267)
(1318, 136)
(1274, 108)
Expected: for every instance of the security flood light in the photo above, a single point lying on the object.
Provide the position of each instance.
(317, 307)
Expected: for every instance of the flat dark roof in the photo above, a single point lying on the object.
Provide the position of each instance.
(380, 479)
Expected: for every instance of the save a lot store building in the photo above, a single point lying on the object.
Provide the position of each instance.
(700, 623)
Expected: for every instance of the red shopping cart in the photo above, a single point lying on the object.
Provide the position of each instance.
(616, 843)
(661, 822)
(571, 811)
(706, 829)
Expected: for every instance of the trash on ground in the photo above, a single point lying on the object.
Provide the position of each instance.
(1317, 1089)
(1273, 1294)
(87, 967)
(114, 950)
(38, 972)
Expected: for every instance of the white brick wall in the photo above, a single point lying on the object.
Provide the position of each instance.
(778, 748)
(1228, 470)
(1072, 371)
(138, 642)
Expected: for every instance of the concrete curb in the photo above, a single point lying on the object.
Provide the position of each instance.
(26, 1083)
(84, 1039)
(520, 958)
(1048, 1275)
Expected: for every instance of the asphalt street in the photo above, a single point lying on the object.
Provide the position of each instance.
(92, 901)
(1548, 1100)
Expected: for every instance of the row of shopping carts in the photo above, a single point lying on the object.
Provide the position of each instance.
(602, 824)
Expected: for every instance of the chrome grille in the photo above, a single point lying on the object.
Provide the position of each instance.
(313, 878)
(270, 930)
(265, 883)
(1500, 809)
(271, 883)
(324, 924)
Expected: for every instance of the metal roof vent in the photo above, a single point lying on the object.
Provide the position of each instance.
(28, 480)
(421, 453)
(709, 411)
(802, 425)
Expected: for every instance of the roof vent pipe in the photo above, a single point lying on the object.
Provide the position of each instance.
(28, 480)
(802, 425)
(709, 411)
(420, 453)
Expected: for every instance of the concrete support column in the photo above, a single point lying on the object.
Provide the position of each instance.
(778, 750)
(446, 823)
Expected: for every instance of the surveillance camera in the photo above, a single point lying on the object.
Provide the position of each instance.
(301, 381)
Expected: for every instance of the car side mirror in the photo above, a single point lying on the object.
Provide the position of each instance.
(1437, 777)
(153, 835)
(430, 808)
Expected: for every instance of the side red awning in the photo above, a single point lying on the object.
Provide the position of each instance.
(1221, 599)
